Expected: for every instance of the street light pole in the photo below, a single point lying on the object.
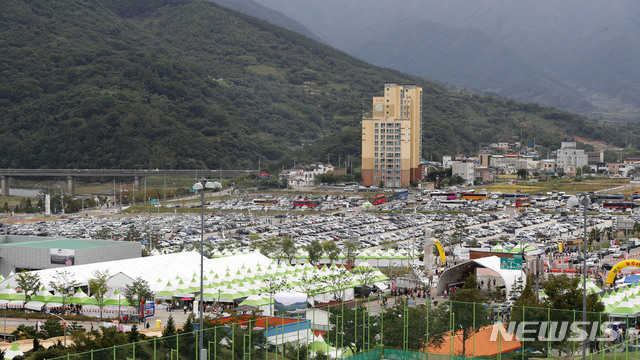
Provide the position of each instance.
(585, 200)
(574, 201)
(64, 327)
(201, 186)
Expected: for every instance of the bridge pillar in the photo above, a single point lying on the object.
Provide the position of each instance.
(136, 182)
(4, 183)
(71, 186)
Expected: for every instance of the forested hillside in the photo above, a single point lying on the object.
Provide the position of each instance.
(180, 84)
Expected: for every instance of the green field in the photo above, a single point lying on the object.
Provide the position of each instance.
(566, 185)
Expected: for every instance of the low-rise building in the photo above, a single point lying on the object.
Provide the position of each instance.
(569, 156)
(305, 175)
(465, 169)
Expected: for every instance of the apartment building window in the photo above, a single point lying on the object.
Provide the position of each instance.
(398, 125)
(376, 130)
(376, 148)
(376, 160)
(376, 137)
(397, 154)
(375, 155)
(376, 125)
(376, 143)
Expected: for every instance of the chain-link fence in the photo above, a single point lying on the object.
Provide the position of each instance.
(396, 328)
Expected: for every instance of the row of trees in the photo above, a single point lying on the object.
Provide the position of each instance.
(64, 285)
(283, 249)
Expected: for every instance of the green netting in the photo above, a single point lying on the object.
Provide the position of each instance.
(369, 355)
(360, 330)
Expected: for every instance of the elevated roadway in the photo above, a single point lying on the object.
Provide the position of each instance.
(136, 174)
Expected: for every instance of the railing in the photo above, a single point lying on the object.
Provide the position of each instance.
(400, 328)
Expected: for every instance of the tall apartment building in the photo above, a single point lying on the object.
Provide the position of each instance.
(392, 137)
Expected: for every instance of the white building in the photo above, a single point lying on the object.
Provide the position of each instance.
(446, 161)
(305, 175)
(464, 169)
(569, 158)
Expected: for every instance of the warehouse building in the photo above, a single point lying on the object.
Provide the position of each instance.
(20, 253)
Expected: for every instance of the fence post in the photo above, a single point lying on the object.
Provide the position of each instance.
(548, 332)
(523, 307)
(355, 335)
(427, 317)
(342, 327)
(474, 330)
(382, 331)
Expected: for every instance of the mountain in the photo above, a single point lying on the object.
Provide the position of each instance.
(185, 83)
(254, 9)
(567, 54)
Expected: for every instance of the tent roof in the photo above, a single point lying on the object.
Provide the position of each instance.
(171, 266)
(461, 271)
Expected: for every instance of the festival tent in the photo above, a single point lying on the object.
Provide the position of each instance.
(34, 305)
(78, 298)
(480, 344)
(13, 351)
(166, 292)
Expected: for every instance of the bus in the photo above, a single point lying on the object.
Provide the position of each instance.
(265, 201)
(610, 197)
(445, 195)
(378, 199)
(474, 196)
(400, 194)
(522, 202)
(306, 202)
(618, 205)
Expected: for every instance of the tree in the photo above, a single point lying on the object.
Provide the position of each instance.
(136, 291)
(134, 334)
(460, 231)
(29, 283)
(314, 250)
(636, 228)
(467, 305)
(415, 317)
(188, 324)
(169, 328)
(63, 284)
(271, 247)
(288, 248)
(331, 249)
(528, 308)
(365, 275)
(350, 250)
(98, 287)
(564, 297)
(340, 283)
(132, 234)
(51, 328)
(347, 327)
(25, 332)
(522, 174)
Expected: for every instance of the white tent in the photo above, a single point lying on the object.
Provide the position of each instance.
(460, 272)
